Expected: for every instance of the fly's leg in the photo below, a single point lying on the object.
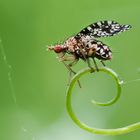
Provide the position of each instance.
(70, 73)
(73, 62)
(60, 56)
(89, 65)
(69, 58)
(70, 76)
(103, 63)
(95, 64)
(68, 66)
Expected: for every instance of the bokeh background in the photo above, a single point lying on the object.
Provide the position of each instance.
(32, 102)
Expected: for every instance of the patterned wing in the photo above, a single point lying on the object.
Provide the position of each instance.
(102, 29)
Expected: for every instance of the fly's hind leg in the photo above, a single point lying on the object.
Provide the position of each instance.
(103, 63)
(89, 65)
(95, 64)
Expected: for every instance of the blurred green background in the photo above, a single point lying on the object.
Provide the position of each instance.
(40, 80)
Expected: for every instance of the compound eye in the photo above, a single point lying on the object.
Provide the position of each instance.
(58, 49)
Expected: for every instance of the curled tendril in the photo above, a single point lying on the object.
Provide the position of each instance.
(117, 131)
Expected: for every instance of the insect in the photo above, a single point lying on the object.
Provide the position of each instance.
(85, 44)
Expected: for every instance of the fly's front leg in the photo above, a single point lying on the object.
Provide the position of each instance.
(73, 62)
(61, 55)
(70, 73)
(69, 58)
(70, 76)
(68, 66)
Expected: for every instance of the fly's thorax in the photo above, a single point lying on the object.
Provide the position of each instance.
(71, 44)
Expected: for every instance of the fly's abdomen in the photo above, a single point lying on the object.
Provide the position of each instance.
(99, 50)
(103, 53)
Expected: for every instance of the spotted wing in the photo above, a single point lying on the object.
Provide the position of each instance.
(103, 29)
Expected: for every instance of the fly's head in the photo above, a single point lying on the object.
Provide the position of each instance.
(57, 48)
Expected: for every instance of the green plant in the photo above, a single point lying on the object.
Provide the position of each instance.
(117, 131)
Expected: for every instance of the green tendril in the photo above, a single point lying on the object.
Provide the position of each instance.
(117, 131)
(118, 84)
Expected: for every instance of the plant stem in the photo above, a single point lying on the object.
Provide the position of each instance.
(117, 131)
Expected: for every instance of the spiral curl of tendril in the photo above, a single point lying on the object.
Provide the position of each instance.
(117, 131)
